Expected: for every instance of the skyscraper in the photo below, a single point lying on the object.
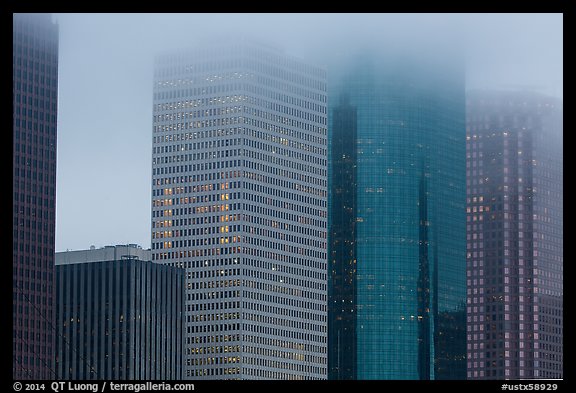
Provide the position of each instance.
(515, 235)
(35, 90)
(397, 223)
(239, 200)
(118, 315)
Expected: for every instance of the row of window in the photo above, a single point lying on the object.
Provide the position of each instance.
(285, 185)
(34, 92)
(218, 89)
(250, 186)
(44, 62)
(224, 305)
(291, 265)
(232, 56)
(196, 242)
(34, 176)
(290, 247)
(222, 360)
(225, 316)
(269, 87)
(307, 127)
(36, 55)
(201, 167)
(187, 62)
(32, 194)
(262, 217)
(233, 372)
(297, 372)
(197, 178)
(276, 233)
(193, 103)
(270, 325)
(268, 105)
(256, 62)
(42, 221)
(34, 236)
(303, 257)
(37, 154)
(273, 133)
(195, 146)
(299, 161)
(203, 252)
(315, 312)
(268, 110)
(196, 188)
(189, 77)
(316, 292)
(36, 126)
(211, 295)
(45, 251)
(223, 198)
(219, 133)
(287, 357)
(310, 346)
(165, 89)
(218, 122)
(40, 161)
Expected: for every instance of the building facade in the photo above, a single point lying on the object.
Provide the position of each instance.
(35, 95)
(118, 315)
(515, 235)
(397, 223)
(239, 200)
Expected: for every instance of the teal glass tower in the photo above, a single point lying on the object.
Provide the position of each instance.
(397, 225)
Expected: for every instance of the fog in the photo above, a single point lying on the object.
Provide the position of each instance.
(105, 89)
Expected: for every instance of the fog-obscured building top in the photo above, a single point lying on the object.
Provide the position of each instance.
(515, 235)
(35, 110)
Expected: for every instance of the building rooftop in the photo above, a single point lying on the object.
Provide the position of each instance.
(106, 253)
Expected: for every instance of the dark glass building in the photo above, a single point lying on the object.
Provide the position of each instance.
(35, 91)
(119, 315)
(397, 221)
(515, 235)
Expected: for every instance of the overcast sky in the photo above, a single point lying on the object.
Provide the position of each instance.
(105, 91)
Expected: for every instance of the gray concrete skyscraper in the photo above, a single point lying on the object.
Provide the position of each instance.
(239, 200)
(515, 235)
